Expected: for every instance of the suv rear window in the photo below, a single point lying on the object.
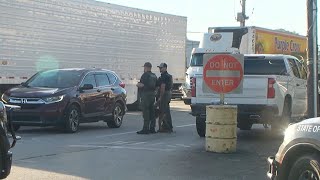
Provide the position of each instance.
(264, 67)
(112, 78)
(102, 80)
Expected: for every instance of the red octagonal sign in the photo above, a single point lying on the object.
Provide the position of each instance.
(223, 73)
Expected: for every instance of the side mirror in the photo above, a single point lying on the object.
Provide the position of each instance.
(86, 87)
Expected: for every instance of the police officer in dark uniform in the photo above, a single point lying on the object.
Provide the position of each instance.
(165, 84)
(147, 86)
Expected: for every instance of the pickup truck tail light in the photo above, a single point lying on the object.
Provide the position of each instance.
(193, 87)
(271, 90)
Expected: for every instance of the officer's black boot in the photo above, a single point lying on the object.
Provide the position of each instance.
(153, 131)
(143, 131)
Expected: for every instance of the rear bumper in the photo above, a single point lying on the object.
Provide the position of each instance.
(273, 168)
(245, 112)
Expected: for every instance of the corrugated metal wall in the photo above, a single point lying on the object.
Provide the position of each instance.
(40, 34)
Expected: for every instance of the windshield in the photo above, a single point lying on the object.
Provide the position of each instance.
(196, 60)
(55, 79)
(264, 67)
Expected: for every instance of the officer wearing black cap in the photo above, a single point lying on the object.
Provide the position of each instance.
(147, 86)
(165, 84)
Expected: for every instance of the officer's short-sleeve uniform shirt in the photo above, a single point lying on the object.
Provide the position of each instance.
(166, 79)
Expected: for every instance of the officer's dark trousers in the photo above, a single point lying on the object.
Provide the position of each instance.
(147, 104)
(165, 111)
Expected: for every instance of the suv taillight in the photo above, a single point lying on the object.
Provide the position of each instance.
(193, 87)
(123, 85)
(271, 90)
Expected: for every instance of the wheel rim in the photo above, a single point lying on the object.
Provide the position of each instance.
(118, 115)
(308, 175)
(74, 119)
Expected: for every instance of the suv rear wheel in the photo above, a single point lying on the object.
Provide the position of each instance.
(117, 116)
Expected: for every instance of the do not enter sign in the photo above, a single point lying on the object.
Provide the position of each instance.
(223, 73)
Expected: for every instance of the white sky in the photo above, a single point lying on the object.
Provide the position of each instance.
(274, 14)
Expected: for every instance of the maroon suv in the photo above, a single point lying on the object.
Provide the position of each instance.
(68, 97)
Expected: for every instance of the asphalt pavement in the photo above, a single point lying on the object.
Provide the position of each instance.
(98, 152)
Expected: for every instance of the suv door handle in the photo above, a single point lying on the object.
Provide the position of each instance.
(112, 89)
(98, 90)
(298, 84)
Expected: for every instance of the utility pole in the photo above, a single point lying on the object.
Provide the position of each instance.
(241, 16)
(312, 81)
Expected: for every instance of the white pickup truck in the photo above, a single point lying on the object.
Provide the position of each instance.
(274, 92)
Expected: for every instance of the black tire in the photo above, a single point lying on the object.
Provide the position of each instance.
(3, 175)
(306, 167)
(283, 122)
(245, 126)
(117, 116)
(72, 119)
(4, 147)
(201, 126)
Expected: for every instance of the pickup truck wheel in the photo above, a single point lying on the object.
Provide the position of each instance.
(201, 126)
(283, 122)
(306, 167)
(244, 126)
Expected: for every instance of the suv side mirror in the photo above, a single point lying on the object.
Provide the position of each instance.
(86, 87)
